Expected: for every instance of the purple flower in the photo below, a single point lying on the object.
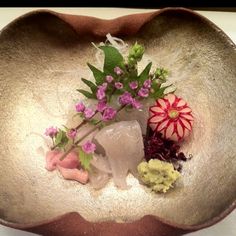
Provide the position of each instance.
(108, 114)
(88, 113)
(109, 78)
(51, 131)
(119, 85)
(147, 83)
(125, 98)
(100, 93)
(101, 106)
(118, 70)
(143, 92)
(104, 86)
(136, 104)
(72, 133)
(133, 84)
(79, 107)
(89, 147)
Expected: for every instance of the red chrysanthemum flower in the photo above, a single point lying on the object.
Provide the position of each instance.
(172, 117)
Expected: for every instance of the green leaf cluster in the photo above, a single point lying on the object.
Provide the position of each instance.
(112, 59)
(85, 159)
(61, 139)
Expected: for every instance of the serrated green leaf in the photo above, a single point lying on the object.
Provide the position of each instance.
(61, 139)
(98, 75)
(112, 59)
(86, 93)
(145, 73)
(85, 159)
(159, 93)
(90, 84)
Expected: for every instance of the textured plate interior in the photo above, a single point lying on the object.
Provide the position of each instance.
(41, 62)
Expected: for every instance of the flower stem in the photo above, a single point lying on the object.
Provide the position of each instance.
(84, 136)
(84, 122)
(78, 141)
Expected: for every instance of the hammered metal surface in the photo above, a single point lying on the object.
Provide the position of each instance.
(41, 63)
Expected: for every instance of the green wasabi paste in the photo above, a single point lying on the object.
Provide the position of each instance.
(158, 175)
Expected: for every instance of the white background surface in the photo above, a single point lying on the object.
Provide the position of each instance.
(225, 20)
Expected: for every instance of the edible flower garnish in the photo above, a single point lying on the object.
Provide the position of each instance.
(172, 117)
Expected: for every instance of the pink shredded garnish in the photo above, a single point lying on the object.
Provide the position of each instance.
(172, 117)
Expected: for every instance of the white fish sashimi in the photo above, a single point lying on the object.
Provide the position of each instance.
(101, 163)
(97, 178)
(141, 115)
(123, 145)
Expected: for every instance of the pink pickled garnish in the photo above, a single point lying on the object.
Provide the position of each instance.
(172, 117)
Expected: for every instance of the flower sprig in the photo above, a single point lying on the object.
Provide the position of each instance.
(119, 80)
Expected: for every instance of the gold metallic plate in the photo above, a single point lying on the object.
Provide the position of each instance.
(41, 62)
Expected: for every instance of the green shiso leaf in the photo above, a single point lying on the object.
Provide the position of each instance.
(145, 73)
(91, 85)
(87, 94)
(112, 59)
(61, 139)
(159, 92)
(85, 159)
(98, 75)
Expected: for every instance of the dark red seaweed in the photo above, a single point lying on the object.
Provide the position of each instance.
(156, 147)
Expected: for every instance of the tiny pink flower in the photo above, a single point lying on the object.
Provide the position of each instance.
(51, 131)
(133, 84)
(125, 98)
(172, 117)
(100, 93)
(104, 86)
(89, 147)
(101, 106)
(136, 104)
(72, 133)
(118, 70)
(143, 92)
(109, 78)
(108, 114)
(88, 113)
(119, 85)
(147, 83)
(79, 107)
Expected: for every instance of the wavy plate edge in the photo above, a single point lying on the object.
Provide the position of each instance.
(149, 224)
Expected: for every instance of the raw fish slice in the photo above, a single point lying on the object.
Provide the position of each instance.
(101, 163)
(74, 174)
(97, 178)
(53, 160)
(141, 115)
(51, 163)
(123, 144)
